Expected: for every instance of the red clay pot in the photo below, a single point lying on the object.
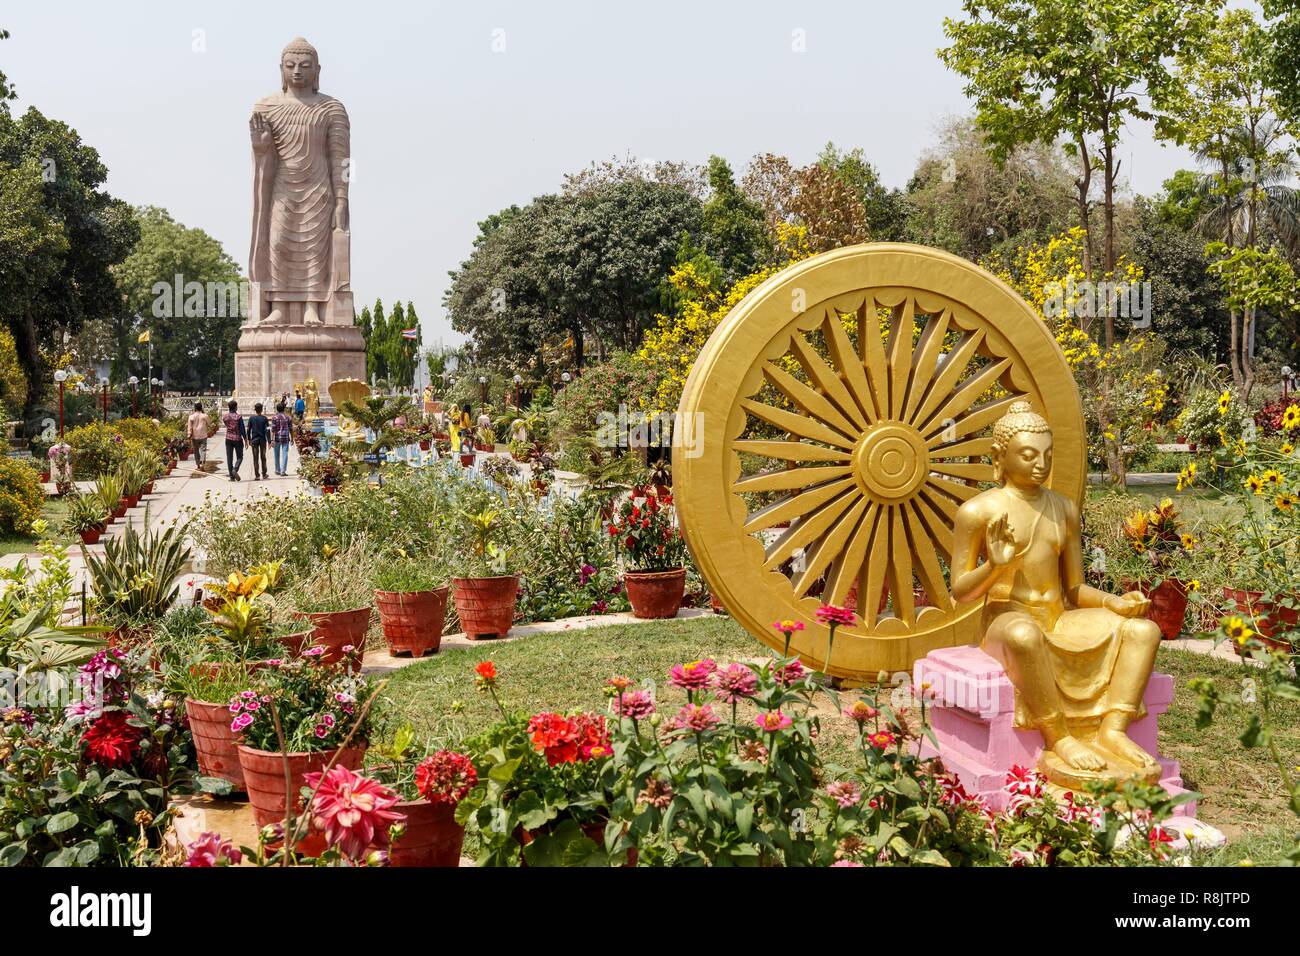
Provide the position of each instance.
(45, 476)
(425, 444)
(335, 630)
(215, 744)
(131, 501)
(1265, 617)
(412, 620)
(1168, 606)
(148, 489)
(120, 510)
(91, 535)
(329, 489)
(432, 837)
(656, 594)
(486, 606)
(263, 772)
(467, 460)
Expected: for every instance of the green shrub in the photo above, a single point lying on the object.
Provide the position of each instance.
(21, 497)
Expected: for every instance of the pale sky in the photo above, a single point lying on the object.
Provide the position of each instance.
(446, 129)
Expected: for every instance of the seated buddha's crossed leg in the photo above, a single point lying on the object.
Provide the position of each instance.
(1017, 641)
(1139, 641)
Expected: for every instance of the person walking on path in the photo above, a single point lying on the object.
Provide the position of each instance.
(236, 438)
(197, 429)
(259, 436)
(299, 407)
(281, 434)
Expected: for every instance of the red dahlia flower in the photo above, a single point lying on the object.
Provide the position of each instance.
(352, 810)
(111, 741)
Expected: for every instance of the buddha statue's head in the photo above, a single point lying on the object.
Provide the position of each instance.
(1022, 447)
(299, 67)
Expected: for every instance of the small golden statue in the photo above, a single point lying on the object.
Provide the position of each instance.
(311, 394)
(1079, 658)
(349, 390)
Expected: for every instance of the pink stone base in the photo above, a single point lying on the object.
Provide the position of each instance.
(973, 716)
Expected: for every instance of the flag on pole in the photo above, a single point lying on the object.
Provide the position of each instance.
(411, 333)
(144, 337)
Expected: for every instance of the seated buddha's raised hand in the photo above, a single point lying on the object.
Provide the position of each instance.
(999, 542)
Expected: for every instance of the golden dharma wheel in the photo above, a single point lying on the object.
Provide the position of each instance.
(842, 412)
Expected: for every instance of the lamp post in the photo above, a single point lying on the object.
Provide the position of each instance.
(61, 376)
(133, 382)
(157, 397)
(104, 384)
(519, 380)
(483, 388)
(1286, 382)
(565, 379)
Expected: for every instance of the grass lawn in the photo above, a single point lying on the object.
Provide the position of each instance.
(53, 511)
(563, 671)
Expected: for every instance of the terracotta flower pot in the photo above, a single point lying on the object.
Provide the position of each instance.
(432, 837)
(467, 459)
(263, 772)
(425, 444)
(215, 745)
(656, 594)
(120, 510)
(412, 620)
(1168, 606)
(486, 606)
(329, 489)
(335, 630)
(91, 535)
(148, 489)
(131, 501)
(45, 476)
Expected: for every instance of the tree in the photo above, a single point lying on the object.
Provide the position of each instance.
(1040, 70)
(73, 269)
(411, 347)
(1282, 60)
(814, 198)
(195, 345)
(732, 224)
(886, 209)
(961, 198)
(376, 360)
(1226, 111)
(7, 91)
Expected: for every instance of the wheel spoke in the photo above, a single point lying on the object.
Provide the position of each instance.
(966, 395)
(849, 564)
(939, 526)
(827, 380)
(971, 448)
(806, 531)
(841, 349)
(981, 417)
(925, 362)
(949, 371)
(952, 488)
(812, 403)
(968, 471)
(872, 352)
(789, 479)
(828, 548)
(789, 450)
(927, 564)
(789, 508)
(871, 580)
(900, 568)
(900, 354)
(796, 424)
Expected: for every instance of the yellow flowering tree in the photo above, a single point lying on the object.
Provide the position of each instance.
(1123, 389)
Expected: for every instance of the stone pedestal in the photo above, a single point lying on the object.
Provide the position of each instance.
(273, 360)
(974, 713)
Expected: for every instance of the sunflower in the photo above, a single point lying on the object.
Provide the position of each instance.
(1272, 476)
(1287, 448)
(1286, 500)
(1291, 417)
(1189, 542)
(1236, 629)
(1225, 401)
(1194, 585)
(1254, 485)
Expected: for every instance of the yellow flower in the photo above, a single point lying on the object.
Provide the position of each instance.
(1225, 400)
(1287, 448)
(1286, 501)
(1291, 417)
(1272, 476)
(1236, 629)
(1194, 585)
(328, 551)
(1254, 485)
(1189, 542)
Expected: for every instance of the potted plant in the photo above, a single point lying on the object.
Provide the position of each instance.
(424, 434)
(654, 551)
(136, 473)
(1161, 550)
(85, 517)
(108, 488)
(485, 595)
(328, 471)
(135, 583)
(298, 717)
(411, 595)
(335, 597)
(207, 691)
(431, 788)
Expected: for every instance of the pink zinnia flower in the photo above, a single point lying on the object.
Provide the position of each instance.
(695, 717)
(211, 850)
(844, 792)
(772, 721)
(788, 627)
(830, 614)
(354, 811)
(693, 675)
(845, 863)
(791, 673)
(734, 682)
(861, 711)
(637, 705)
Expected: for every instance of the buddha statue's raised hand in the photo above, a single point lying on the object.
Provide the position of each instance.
(1000, 542)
